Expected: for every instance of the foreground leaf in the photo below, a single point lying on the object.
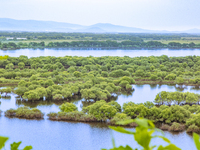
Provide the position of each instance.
(15, 146)
(169, 147)
(121, 130)
(3, 141)
(196, 140)
(120, 148)
(162, 137)
(125, 122)
(28, 148)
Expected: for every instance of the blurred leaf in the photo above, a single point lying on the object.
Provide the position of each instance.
(28, 148)
(164, 138)
(169, 147)
(120, 148)
(121, 130)
(14, 145)
(196, 140)
(125, 122)
(3, 141)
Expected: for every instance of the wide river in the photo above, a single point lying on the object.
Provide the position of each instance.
(97, 53)
(53, 135)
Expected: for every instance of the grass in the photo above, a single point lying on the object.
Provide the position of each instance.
(195, 40)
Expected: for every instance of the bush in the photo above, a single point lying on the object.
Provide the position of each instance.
(177, 127)
(72, 116)
(102, 110)
(174, 114)
(119, 117)
(194, 119)
(170, 77)
(68, 107)
(52, 116)
(10, 113)
(58, 97)
(153, 77)
(25, 112)
(165, 127)
(193, 128)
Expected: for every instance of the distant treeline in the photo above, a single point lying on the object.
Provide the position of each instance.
(94, 36)
(99, 44)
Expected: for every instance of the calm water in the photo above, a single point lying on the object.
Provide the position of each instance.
(98, 53)
(51, 135)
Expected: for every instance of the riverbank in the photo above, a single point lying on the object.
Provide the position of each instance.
(172, 118)
(110, 44)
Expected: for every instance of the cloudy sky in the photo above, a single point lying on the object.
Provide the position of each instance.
(148, 14)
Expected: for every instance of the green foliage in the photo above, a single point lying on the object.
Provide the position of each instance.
(175, 114)
(21, 65)
(196, 140)
(57, 97)
(3, 141)
(194, 119)
(149, 104)
(176, 97)
(68, 107)
(179, 80)
(25, 112)
(102, 110)
(119, 117)
(14, 145)
(143, 135)
(193, 128)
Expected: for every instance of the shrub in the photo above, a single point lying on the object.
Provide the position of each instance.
(174, 114)
(72, 116)
(193, 128)
(10, 113)
(119, 117)
(58, 97)
(52, 116)
(165, 127)
(25, 112)
(102, 110)
(68, 107)
(177, 127)
(194, 119)
(153, 77)
(170, 77)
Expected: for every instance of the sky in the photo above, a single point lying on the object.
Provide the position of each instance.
(146, 14)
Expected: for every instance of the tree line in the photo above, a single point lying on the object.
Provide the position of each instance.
(94, 36)
(99, 44)
(94, 78)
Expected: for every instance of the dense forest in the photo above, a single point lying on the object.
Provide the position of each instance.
(17, 40)
(94, 36)
(100, 79)
(99, 44)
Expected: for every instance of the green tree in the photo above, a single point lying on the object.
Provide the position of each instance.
(68, 107)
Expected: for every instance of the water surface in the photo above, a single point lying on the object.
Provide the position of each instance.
(98, 53)
(45, 134)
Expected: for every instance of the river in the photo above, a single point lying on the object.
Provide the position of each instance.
(51, 135)
(97, 53)
(57, 135)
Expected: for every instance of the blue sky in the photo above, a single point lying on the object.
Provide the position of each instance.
(148, 14)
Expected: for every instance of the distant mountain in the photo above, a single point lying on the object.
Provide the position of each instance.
(33, 25)
(195, 30)
(51, 26)
(116, 28)
(7, 24)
